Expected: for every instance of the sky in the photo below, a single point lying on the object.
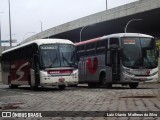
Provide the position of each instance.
(27, 16)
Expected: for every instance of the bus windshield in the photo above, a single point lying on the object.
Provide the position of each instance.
(58, 55)
(139, 52)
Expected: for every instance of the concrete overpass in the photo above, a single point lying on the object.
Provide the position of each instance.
(110, 21)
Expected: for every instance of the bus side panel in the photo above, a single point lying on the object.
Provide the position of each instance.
(20, 72)
(92, 69)
(5, 71)
(95, 65)
(102, 67)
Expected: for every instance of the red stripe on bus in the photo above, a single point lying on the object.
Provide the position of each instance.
(88, 41)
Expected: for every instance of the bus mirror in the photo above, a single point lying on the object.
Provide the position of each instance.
(157, 51)
(36, 60)
(36, 63)
(0, 59)
(77, 56)
(121, 52)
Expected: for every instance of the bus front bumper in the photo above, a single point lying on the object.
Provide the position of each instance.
(54, 81)
(133, 78)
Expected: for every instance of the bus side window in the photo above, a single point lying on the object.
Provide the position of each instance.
(81, 50)
(100, 49)
(90, 49)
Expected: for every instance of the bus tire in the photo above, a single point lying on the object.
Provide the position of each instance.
(61, 87)
(108, 85)
(133, 85)
(12, 86)
(33, 87)
(74, 85)
(104, 83)
(91, 85)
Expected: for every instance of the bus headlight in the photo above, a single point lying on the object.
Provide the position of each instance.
(154, 73)
(127, 71)
(74, 75)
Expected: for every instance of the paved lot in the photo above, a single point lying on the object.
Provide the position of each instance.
(145, 98)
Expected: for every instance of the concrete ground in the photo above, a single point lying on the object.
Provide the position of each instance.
(145, 98)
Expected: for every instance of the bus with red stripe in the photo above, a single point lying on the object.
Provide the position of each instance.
(42, 62)
(122, 58)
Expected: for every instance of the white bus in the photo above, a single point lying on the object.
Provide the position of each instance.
(122, 58)
(42, 62)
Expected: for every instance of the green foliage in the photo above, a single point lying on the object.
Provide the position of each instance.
(158, 43)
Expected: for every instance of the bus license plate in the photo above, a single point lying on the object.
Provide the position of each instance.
(140, 72)
(143, 79)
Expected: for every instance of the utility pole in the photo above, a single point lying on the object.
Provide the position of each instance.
(106, 5)
(0, 31)
(41, 26)
(125, 29)
(10, 31)
(82, 30)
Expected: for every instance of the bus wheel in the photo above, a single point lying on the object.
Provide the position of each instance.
(108, 85)
(74, 85)
(133, 85)
(61, 87)
(12, 86)
(91, 85)
(34, 87)
(104, 83)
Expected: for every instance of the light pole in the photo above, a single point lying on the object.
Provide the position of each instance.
(27, 34)
(41, 26)
(106, 5)
(125, 30)
(82, 30)
(10, 31)
(0, 30)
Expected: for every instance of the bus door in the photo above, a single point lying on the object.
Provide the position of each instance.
(115, 59)
(81, 63)
(35, 76)
(81, 67)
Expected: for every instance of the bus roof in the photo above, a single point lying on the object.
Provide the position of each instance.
(112, 36)
(128, 35)
(40, 42)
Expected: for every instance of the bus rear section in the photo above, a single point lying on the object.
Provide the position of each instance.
(44, 62)
(124, 58)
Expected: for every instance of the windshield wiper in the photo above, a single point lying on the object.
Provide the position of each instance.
(64, 58)
(139, 63)
(53, 62)
(149, 62)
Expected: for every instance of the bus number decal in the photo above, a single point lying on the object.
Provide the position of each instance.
(92, 66)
